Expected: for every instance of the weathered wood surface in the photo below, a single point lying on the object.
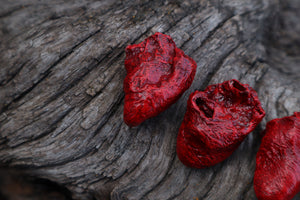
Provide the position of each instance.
(61, 79)
(14, 185)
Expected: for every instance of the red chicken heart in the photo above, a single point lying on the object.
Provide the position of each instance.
(277, 173)
(216, 122)
(157, 75)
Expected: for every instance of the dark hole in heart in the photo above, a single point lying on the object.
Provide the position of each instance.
(238, 86)
(202, 104)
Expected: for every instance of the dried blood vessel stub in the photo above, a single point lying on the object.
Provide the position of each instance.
(277, 173)
(216, 122)
(157, 75)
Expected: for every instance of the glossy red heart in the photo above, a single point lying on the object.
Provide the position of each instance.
(277, 173)
(157, 75)
(216, 121)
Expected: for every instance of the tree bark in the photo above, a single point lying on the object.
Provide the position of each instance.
(61, 91)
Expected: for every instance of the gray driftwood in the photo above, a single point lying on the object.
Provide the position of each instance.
(61, 91)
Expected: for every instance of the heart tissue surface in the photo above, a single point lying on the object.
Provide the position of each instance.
(277, 173)
(216, 121)
(158, 73)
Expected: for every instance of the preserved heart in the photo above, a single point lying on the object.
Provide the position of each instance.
(277, 173)
(158, 73)
(216, 122)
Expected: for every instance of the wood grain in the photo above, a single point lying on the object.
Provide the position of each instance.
(61, 91)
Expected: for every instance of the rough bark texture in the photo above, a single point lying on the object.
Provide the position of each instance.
(61, 91)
